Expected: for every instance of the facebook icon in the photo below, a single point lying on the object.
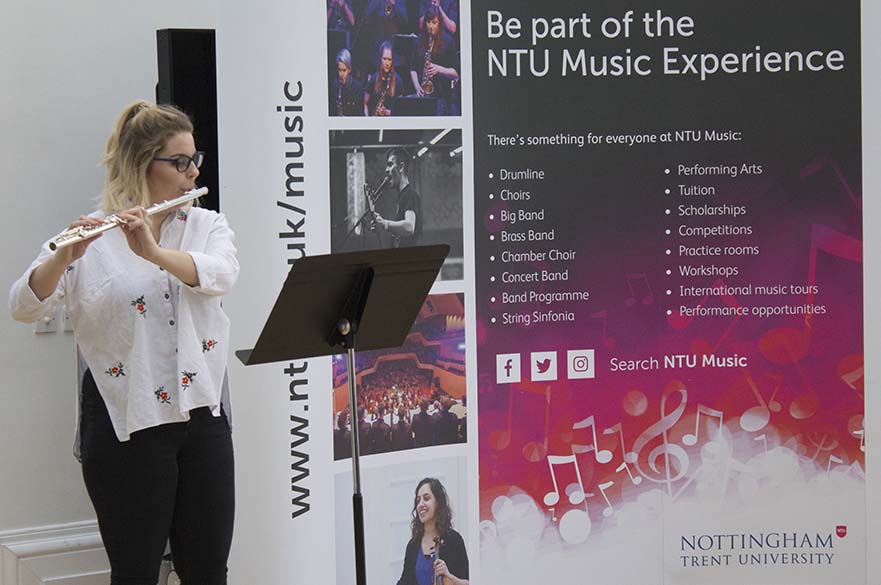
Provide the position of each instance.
(507, 368)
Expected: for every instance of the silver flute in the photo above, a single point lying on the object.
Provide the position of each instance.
(79, 234)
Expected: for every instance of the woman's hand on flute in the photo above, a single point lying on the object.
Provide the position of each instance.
(141, 241)
(66, 255)
(45, 277)
(138, 233)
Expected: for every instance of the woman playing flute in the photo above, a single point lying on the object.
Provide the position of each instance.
(144, 300)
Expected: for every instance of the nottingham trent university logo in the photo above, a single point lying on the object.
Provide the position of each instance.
(507, 368)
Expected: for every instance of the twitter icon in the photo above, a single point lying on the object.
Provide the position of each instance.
(543, 366)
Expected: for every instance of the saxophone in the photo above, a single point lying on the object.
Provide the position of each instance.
(427, 83)
(380, 103)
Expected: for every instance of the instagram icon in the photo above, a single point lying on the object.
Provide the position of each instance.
(580, 364)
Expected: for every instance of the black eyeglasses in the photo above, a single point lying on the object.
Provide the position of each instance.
(183, 162)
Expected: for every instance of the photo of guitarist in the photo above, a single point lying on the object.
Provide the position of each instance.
(406, 227)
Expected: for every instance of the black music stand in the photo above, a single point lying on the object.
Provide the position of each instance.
(327, 300)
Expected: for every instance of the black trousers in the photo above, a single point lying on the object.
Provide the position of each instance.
(171, 483)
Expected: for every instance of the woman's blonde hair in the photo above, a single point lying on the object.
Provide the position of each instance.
(141, 132)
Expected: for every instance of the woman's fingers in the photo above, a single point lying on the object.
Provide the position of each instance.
(137, 211)
(85, 221)
(134, 217)
(131, 220)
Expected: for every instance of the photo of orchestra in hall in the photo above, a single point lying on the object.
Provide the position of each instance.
(412, 396)
(393, 58)
(397, 188)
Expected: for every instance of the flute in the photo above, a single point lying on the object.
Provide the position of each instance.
(72, 236)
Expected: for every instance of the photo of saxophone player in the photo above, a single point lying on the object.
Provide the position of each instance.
(404, 53)
(346, 93)
(383, 84)
(437, 57)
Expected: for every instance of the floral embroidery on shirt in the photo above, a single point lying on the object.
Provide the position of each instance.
(208, 344)
(162, 396)
(115, 371)
(140, 305)
(182, 215)
(186, 378)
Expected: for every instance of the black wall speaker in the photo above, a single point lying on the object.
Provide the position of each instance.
(188, 80)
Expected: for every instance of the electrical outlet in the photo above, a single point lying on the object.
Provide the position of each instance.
(49, 323)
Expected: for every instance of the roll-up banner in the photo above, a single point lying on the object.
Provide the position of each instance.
(642, 362)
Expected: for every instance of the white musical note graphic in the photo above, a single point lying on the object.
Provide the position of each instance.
(602, 456)
(553, 497)
(691, 439)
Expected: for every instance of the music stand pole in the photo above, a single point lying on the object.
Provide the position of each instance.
(350, 317)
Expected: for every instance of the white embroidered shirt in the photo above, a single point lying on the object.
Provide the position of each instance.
(157, 348)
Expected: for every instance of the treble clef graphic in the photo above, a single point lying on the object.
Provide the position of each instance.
(665, 449)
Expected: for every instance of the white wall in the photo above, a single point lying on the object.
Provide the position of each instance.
(66, 70)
